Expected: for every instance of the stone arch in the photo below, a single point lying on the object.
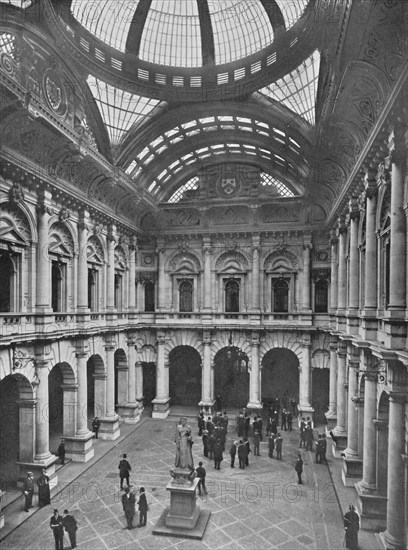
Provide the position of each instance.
(61, 240)
(183, 262)
(233, 261)
(96, 252)
(289, 341)
(239, 340)
(17, 424)
(24, 215)
(183, 338)
(280, 375)
(62, 390)
(320, 363)
(96, 385)
(231, 377)
(185, 366)
(280, 260)
(121, 377)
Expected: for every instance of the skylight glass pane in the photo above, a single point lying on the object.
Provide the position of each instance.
(172, 35)
(190, 185)
(18, 3)
(291, 10)
(7, 43)
(108, 20)
(240, 28)
(275, 186)
(297, 90)
(119, 109)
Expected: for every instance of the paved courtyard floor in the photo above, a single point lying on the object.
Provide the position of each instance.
(261, 507)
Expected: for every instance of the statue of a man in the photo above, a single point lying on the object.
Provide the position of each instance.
(184, 442)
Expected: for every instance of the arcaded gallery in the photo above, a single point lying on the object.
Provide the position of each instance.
(205, 201)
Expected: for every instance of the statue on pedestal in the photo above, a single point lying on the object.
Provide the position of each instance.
(184, 464)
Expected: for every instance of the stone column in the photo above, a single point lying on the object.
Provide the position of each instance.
(398, 225)
(42, 442)
(394, 536)
(110, 422)
(254, 389)
(359, 401)
(162, 275)
(331, 414)
(370, 284)
(43, 279)
(139, 382)
(306, 277)
(354, 258)
(334, 270)
(132, 276)
(255, 274)
(368, 483)
(342, 271)
(82, 405)
(304, 386)
(340, 429)
(352, 419)
(207, 401)
(110, 276)
(160, 403)
(82, 294)
(207, 273)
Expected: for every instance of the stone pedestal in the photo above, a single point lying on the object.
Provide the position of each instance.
(372, 509)
(161, 408)
(109, 428)
(37, 468)
(130, 414)
(80, 448)
(352, 470)
(183, 518)
(331, 420)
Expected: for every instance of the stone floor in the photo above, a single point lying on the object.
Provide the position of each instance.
(261, 507)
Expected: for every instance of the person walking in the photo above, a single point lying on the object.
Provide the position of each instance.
(57, 529)
(201, 473)
(61, 451)
(124, 471)
(299, 468)
(233, 453)
(43, 484)
(278, 446)
(351, 527)
(96, 424)
(129, 507)
(143, 507)
(71, 527)
(28, 491)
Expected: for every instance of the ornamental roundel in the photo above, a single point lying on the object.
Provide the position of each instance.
(55, 92)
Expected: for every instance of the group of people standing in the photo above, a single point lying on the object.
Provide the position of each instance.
(58, 524)
(129, 500)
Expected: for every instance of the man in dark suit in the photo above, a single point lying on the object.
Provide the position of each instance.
(61, 451)
(58, 530)
(124, 471)
(299, 468)
(233, 452)
(96, 424)
(242, 454)
(201, 473)
(128, 505)
(28, 491)
(142, 503)
(71, 527)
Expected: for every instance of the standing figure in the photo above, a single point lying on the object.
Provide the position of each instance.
(28, 491)
(242, 454)
(124, 471)
(302, 429)
(247, 423)
(271, 445)
(318, 455)
(240, 425)
(246, 443)
(257, 440)
(143, 507)
(128, 505)
(299, 468)
(43, 483)
(205, 443)
(260, 424)
(210, 425)
(351, 526)
(218, 403)
(278, 445)
(218, 458)
(61, 451)
(184, 442)
(226, 420)
(201, 473)
(309, 437)
(289, 420)
(71, 526)
(233, 452)
(58, 530)
(284, 416)
(201, 424)
(211, 445)
(323, 448)
(96, 424)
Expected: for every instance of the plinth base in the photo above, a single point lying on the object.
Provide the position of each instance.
(80, 448)
(109, 428)
(197, 532)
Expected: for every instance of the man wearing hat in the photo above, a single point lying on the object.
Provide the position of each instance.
(58, 530)
(351, 526)
(71, 527)
(128, 505)
(124, 471)
(143, 507)
(28, 491)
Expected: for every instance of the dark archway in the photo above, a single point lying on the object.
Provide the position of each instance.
(62, 409)
(121, 378)
(231, 380)
(382, 443)
(6, 276)
(56, 401)
(320, 393)
(184, 376)
(149, 383)
(96, 386)
(280, 375)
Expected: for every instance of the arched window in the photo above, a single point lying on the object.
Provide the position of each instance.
(321, 296)
(280, 296)
(92, 289)
(118, 291)
(6, 282)
(149, 296)
(186, 296)
(232, 296)
(56, 286)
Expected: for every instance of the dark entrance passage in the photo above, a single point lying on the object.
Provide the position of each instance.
(149, 383)
(280, 375)
(95, 372)
(9, 427)
(184, 376)
(56, 402)
(320, 393)
(231, 379)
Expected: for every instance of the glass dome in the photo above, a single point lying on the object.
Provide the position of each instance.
(187, 33)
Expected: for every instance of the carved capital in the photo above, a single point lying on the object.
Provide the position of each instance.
(333, 238)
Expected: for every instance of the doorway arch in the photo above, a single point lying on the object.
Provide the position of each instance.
(149, 382)
(231, 380)
(280, 375)
(16, 424)
(184, 376)
(121, 377)
(61, 402)
(96, 378)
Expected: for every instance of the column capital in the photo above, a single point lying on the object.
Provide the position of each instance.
(397, 397)
(333, 237)
(371, 376)
(353, 363)
(354, 210)
(380, 425)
